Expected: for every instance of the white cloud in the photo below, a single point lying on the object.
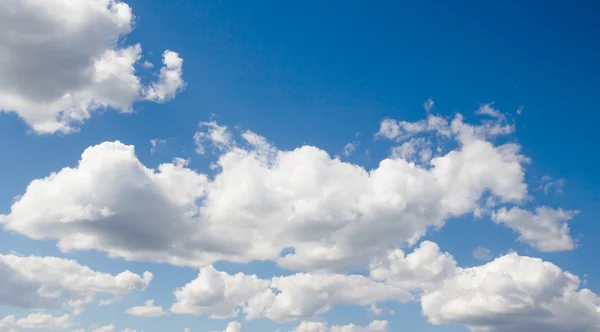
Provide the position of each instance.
(34, 321)
(514, 294)
(428, 105)
(106, 328)
(482, 254)
(187, 329)
(350, 148)
(56, 70)
(374, 326)
(233, 327)
(306, 295)
(147, 64)
(217, 136)
(487, 109)
(337, 214)
(220, 295)
(154, 143)
(415, 149)
(422, 269)
(50, 282)
(170, 79)
(549, 185)
(546, 230)
(217, 294)
(146, 310)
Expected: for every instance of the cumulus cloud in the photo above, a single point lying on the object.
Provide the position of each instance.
(374, 326)
(106, 328)
(546, 230)
(49, 282)
(233, 327)
(170, 79)
(146, 310)
(220, 295)
(56, 71)
(334, 215)
(34, 321)
(513, 293)
(217, 294)
(306, 295)
(424, 268)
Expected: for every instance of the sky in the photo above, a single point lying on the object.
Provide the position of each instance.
(299, 167)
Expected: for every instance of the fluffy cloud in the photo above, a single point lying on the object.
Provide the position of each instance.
(220, 295)
(111, 202)
(514, 293)
(106, 328)
(34, 321)
(332, 215)
(545, 230)
(146, 310)
(170, 79)
(217, 294)
(425, 268)
(374, 326)
(233, 327)
(56, 70)
(306, 295)
(50, 282)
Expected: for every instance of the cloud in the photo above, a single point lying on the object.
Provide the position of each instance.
(549, 185)
(414, 150)
(306, 295)
(56, 71)
(106, 328)
(217, 294)
(374, 326)
(422, 269)
(233, 327)
(170, 80)
(487, 109)
(338, 215)
(34, 321)
(513, 293)
(154, 143)
(220, 295)
(217, 136)
(428, 105)
(146, 310)
(546, 229)
(50, 282)
(482, 254)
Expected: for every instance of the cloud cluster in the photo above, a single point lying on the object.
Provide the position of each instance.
(374, 326)
(546, 229)
(62, 60)
(310, 212)
(49, 282)
(514, 293)
(333, 215)
(34, 321)
(220, 295)
(146, 310)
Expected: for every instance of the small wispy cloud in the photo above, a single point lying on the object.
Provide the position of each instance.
(550, 185)
(154, 144)
(482, 254)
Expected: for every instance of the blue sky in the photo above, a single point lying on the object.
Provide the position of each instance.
(298, 75)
